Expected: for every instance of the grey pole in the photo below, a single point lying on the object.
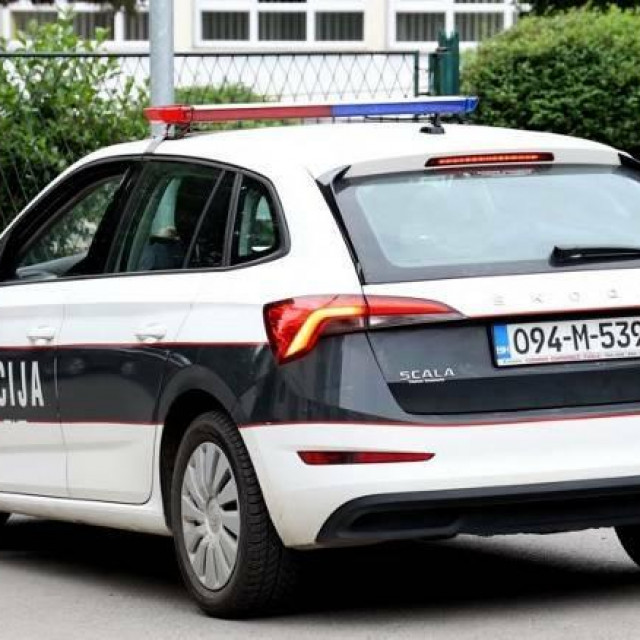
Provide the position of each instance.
(161, 55)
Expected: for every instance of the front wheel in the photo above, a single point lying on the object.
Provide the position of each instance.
(230, 556)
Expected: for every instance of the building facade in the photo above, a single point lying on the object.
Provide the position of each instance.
(283, 25)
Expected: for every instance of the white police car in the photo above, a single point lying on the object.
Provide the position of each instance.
(306, 336)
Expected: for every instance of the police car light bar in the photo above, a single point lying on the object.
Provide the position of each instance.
(184, 115)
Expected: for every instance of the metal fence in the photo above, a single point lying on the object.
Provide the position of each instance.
(300, 76)
(55, 108)
(291, 76)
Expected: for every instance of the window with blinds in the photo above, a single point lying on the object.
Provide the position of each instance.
(420, 21)
(419, 27)
(225, 25)
(475, 27)
(85, 23)
(22, 19)
(282, 26)
(136, 26)
(279, 21)
(339, 26)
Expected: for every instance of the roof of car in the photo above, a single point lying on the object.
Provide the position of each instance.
(321, 148)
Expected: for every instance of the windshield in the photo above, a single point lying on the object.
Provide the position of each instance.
(486, 221)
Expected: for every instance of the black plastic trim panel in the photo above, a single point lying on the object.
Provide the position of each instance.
(537, 508)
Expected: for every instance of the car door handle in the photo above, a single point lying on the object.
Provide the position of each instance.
(41, 335)
(151, 333)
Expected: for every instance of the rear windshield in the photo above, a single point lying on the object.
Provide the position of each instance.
(426, 225)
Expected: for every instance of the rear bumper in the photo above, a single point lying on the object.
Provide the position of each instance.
(542, 508)
(555, 475)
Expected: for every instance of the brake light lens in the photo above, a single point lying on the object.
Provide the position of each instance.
(294, 326)
(320, 458)
(490, 158)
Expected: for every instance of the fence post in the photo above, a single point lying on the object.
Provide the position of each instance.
(416, 74)
(161, 55)
(444, 66)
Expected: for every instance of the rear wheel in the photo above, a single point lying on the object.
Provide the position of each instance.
(229, 553)
(629, 537)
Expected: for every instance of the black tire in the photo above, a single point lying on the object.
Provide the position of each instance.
(264, 574)
(629, 537)
(4, 517)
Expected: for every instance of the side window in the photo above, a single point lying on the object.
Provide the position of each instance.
(63, 248)
(208, 248)
(172, 198)
(256, 232)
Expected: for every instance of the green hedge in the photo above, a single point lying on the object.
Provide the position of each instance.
(576, 73)
(547, 6)
(55, 110)
(226, 94)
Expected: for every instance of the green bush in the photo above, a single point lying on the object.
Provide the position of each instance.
(54, 110)
(547, 6)
(576, 73)
(225, 94)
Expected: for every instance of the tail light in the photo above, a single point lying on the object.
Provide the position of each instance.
(318, 458)
(294, 326)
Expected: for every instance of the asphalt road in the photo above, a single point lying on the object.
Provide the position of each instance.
(68, 582)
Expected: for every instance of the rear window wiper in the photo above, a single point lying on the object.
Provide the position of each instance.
(577, 254)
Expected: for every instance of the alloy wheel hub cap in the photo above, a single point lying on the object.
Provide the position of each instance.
(214, 517)
(210, 516)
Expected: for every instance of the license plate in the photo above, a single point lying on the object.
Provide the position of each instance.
(566, 341)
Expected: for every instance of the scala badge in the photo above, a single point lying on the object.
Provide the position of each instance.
(421, 376)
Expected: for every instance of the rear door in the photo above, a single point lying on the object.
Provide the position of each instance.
(516, 330)
(119, 330)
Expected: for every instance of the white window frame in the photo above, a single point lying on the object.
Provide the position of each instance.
(254, 8)
(116, 44)
(449, 8)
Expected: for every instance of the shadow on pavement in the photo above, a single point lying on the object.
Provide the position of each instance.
(79, 549)
(461, 574)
